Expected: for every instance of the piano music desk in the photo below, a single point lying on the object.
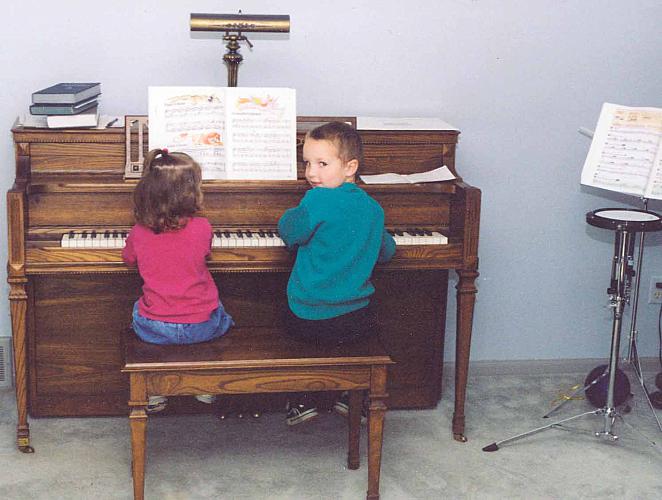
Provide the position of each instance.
(252, 361)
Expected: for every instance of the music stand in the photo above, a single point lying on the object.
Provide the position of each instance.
(626, 223)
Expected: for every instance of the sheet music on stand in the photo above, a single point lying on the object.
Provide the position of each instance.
(239, 133)
(626, 151)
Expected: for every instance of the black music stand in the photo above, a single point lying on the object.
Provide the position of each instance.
(626, 223)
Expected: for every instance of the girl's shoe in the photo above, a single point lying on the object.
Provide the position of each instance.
(156, 404)
(206, 398)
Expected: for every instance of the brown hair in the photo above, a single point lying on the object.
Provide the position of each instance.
(169, 192)
(344, 136)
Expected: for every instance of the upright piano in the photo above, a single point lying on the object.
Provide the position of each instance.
(69, 301)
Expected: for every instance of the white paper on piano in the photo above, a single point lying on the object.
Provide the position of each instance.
(232, 132)
(436, 175)
(381, 123)
(626, 151)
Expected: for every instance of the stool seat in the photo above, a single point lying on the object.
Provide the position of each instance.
(259, 360)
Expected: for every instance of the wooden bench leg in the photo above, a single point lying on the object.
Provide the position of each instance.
(138, 423)
(377, 410)
(353, 455)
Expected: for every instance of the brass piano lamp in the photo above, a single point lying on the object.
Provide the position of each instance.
(234, 25)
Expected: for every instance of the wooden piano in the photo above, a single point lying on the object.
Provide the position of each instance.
(69, 303)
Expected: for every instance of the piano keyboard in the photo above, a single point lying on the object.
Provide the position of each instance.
(237, 238)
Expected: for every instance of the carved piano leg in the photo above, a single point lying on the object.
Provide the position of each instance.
(18, 307)
(376, 414)
(466, 298)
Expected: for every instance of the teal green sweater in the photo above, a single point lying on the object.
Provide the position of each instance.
(339, 235)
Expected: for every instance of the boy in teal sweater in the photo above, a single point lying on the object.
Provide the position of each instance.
(338, 233)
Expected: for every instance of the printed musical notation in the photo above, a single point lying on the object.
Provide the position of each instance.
(233, 132)
(626, 151)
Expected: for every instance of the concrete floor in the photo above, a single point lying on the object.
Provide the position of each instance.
(201, 457)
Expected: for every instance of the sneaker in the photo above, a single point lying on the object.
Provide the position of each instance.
(156, 404)
(341, 407)
(298, 413)
(206, 398)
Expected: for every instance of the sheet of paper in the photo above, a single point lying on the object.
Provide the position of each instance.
(382, 123)
(190, 120)
(261, 131)
(625, 151)
(436, 175)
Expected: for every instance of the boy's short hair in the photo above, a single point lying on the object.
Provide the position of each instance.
(344, 136)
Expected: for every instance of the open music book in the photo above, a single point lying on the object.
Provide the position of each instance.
(232, 132)
(626, 151)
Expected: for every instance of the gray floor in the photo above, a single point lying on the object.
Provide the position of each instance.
(199, 457)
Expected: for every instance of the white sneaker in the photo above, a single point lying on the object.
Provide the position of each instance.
(206, 398)
(156, 404)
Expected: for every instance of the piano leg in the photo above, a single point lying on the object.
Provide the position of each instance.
(466, 298)
(18, 307)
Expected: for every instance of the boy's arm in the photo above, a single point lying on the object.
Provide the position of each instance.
(295, 227)
(387, 250)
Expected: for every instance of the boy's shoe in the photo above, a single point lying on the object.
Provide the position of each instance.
(341, 407)
(206, 398)
(156, 404)
(298, 413)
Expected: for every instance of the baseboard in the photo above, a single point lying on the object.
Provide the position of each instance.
(546, 366)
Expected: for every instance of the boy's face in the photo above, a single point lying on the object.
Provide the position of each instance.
(324, 167)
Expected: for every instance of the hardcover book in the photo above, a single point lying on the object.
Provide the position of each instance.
(232, 132)
(66, 93)
(63, 109)
(88, 119)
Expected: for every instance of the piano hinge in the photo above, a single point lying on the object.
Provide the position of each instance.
(133, 169)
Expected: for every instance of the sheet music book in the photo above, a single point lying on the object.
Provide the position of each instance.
(232, 132)
(626, 151)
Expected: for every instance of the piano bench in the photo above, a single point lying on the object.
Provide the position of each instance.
(252, 361)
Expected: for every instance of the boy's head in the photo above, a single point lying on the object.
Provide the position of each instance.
(332, 154)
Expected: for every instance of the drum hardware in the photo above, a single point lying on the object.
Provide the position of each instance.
(626, 223)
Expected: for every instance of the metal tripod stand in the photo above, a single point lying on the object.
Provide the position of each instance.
(625, 223)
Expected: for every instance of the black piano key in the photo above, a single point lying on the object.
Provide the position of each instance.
(399, 232)
(227, 234)
(83, 234)
(249, 233)
(240, 234)
(261, 233)
(72, 234)
(106, 234)
(270, 234)
(94, 234)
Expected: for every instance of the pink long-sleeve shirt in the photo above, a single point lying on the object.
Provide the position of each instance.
(178, 287)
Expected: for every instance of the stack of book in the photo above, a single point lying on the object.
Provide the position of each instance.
(68, 104)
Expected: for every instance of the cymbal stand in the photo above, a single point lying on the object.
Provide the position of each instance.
(633, 354)
(619, 294)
